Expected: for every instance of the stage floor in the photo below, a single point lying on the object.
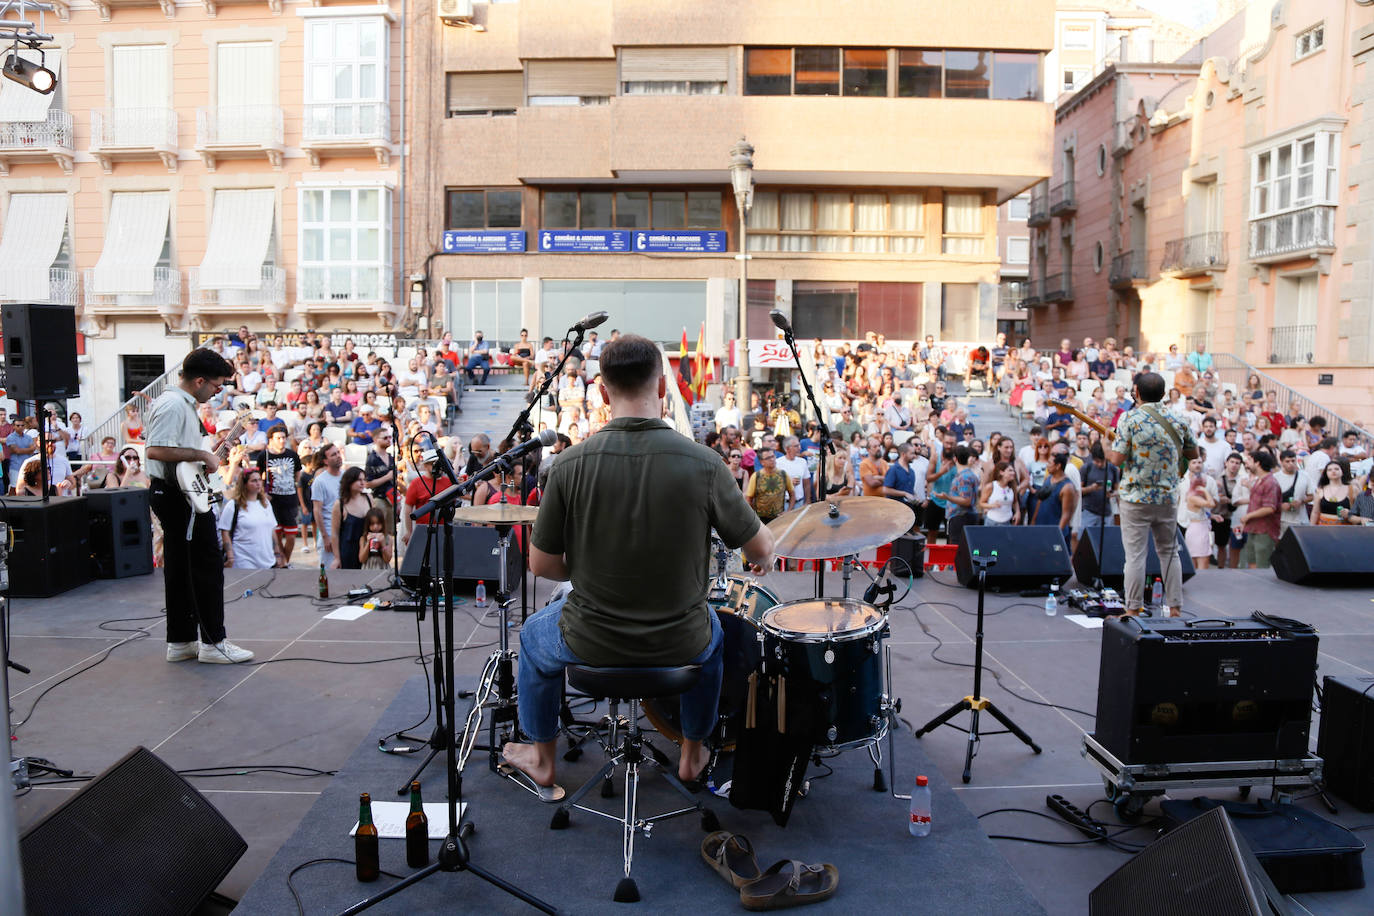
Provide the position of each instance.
(314, 705)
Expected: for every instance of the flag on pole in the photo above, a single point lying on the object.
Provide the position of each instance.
(699, 369)
(684, 370)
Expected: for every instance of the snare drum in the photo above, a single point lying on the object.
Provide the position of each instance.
(831, 649)
(740, 608)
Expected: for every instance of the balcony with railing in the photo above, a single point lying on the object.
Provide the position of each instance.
(239, 132)
(1059, 287)
(119, 134)
(164, 301)
(1193, 338)
(63, 289)
(35, 141)
(1039, 211)
(1035, 293)
(1062, 199)
(1291, 236)
(346, 128)
(1194, 255)
(1293, 344)
(1127, 269)
(346, 289)
(268, 297)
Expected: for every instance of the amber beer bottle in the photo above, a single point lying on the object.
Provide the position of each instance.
(417, 830)
(365, 842)
(324, 582)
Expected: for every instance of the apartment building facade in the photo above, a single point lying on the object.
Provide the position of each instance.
(201, 166)
(1237, 207)
(574, 156)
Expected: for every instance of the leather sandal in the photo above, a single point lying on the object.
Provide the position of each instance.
(790, 883)
(732, 857)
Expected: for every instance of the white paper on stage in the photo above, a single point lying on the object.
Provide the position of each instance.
(390, 819)
(347, 612)
(1086, 622)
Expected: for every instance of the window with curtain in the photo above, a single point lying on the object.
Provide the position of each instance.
(963, 223)
(345, 244)
(924, 73)
(674, 71)
(864, 221)
(484, 209)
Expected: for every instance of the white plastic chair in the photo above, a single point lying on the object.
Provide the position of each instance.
(355, 456)
(335, 434)
(1030, 403)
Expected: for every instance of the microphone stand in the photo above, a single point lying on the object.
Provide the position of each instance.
(827, 447)
(396, 500)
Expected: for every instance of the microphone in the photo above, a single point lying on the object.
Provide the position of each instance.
(436, 454)
(591, 321)
(780, 321)
(546, 438)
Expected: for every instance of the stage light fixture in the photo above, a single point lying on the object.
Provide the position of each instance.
(26, 73)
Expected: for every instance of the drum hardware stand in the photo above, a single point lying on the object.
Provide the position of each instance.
(976, 702)
(453, 854)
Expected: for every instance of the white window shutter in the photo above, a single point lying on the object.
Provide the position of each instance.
(240, 232)
(133, 242)
(33, 236)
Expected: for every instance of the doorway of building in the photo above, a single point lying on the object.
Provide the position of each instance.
(137, 371)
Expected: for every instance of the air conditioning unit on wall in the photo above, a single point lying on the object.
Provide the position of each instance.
(455, 10)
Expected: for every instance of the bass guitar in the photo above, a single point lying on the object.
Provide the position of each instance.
(1068, 407)
(202, 488)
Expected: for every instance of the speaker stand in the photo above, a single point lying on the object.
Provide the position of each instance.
(976, 703)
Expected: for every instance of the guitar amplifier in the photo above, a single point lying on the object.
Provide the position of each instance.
(1345, 739)
(1180, 691)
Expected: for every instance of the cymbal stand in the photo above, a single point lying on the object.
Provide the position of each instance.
(827, 447)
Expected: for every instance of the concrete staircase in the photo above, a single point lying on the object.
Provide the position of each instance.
(490, 409)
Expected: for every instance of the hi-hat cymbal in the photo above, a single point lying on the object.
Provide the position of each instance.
(496, 514)
(839, 527)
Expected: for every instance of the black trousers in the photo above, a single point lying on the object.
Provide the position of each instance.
(192, 570)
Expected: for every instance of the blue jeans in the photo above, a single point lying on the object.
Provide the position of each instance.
(544, 654)
(1091, 520)
(478, 361)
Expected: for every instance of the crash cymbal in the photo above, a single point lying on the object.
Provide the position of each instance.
(496, 514)
(839, 527)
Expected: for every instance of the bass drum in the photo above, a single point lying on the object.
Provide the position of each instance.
(741, 609)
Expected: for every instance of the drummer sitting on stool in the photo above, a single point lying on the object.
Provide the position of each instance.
(627, 516)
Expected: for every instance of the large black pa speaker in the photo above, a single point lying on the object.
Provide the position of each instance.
(475, 556)
(49, 552)
(1345, 739)
(138, 839)
(1203, 868)
(1341, 555)
(1099, 553)
(40, 351)
(1028, 557)
(1172, 690)
(121, 532)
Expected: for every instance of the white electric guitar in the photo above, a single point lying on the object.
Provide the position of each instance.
(202, 488)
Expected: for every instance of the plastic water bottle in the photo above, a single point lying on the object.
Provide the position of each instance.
(1157, 593)
(1052, 601)
(920, 808)
(481, 596)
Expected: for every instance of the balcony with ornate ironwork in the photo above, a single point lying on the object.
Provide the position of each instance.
(63, 289)
(1295, 235)
(240, 132)
(120, 134)
(1293, 344)
(347, 289)
(1128, 268)
(267, 298)
(164, 301)
(347, 128)
(1062, 199)
(36, 141)
(1195, 255)
(1059, 287)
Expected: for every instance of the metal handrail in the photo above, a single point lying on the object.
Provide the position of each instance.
(1230, 368)
(1061, 196)
(113, 425)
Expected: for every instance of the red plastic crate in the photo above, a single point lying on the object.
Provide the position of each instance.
(941, 556)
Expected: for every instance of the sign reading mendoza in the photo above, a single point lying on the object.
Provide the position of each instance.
(480, 241)
(680, 240)
(585, 241)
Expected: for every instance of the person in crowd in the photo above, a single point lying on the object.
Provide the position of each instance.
(905, 479)
(380, 473)
(1148, 447)
(129, 470)
(522, 354)
(796, 468)
(325, 487)
(997, 496)
(1196, 498)
(337, 411)
(1297, 490)
(1056, 507)
(1173, 360)
(1351, 449)
(1200, 359)
(479, 359)
(1260, 522)
(192, 565)
(281, 468)
(963, 495)
(1335, 499)
(133, 424)
(839, 470)
(1362, 512)
(20, 444)
(1064, 355)
(939, 477)
(376, 548)
(364, 426)
(769, 489)
(429, 479)
(729, 412)
(1232, 495)
(734, 459)
(346, 521)
(1100, 479)
(247, 525)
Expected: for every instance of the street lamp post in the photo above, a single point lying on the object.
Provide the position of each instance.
(742, 179)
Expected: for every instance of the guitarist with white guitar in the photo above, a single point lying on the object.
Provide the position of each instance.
(193, 569)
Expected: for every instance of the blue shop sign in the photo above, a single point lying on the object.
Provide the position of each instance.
(679, 240)
(478, 241)
(585, 241)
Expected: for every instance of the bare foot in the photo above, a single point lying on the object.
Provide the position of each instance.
(531, 760)
(693, 760)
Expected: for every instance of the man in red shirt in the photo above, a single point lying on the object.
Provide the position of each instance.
(1260, 524)
(425, 485)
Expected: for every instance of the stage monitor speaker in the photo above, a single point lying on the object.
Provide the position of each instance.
(40, 352)
(1099, 553)
(911, 550)
(50, 550)
(1345, 739)
(475, 556)
(137, 839)
(1171, 690)
(1203, 868)
(1322, 555)
(1028, 557)
(121, 532)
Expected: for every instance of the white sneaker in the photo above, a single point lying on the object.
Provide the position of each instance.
(223, 653)
(182, 651)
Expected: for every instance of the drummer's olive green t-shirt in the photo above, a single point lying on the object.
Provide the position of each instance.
(632, 510)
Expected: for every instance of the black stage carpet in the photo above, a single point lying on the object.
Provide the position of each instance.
(957, 869)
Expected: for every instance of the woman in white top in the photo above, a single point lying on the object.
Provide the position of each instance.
(247, 523)
(998, 497)
(1196, 498)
